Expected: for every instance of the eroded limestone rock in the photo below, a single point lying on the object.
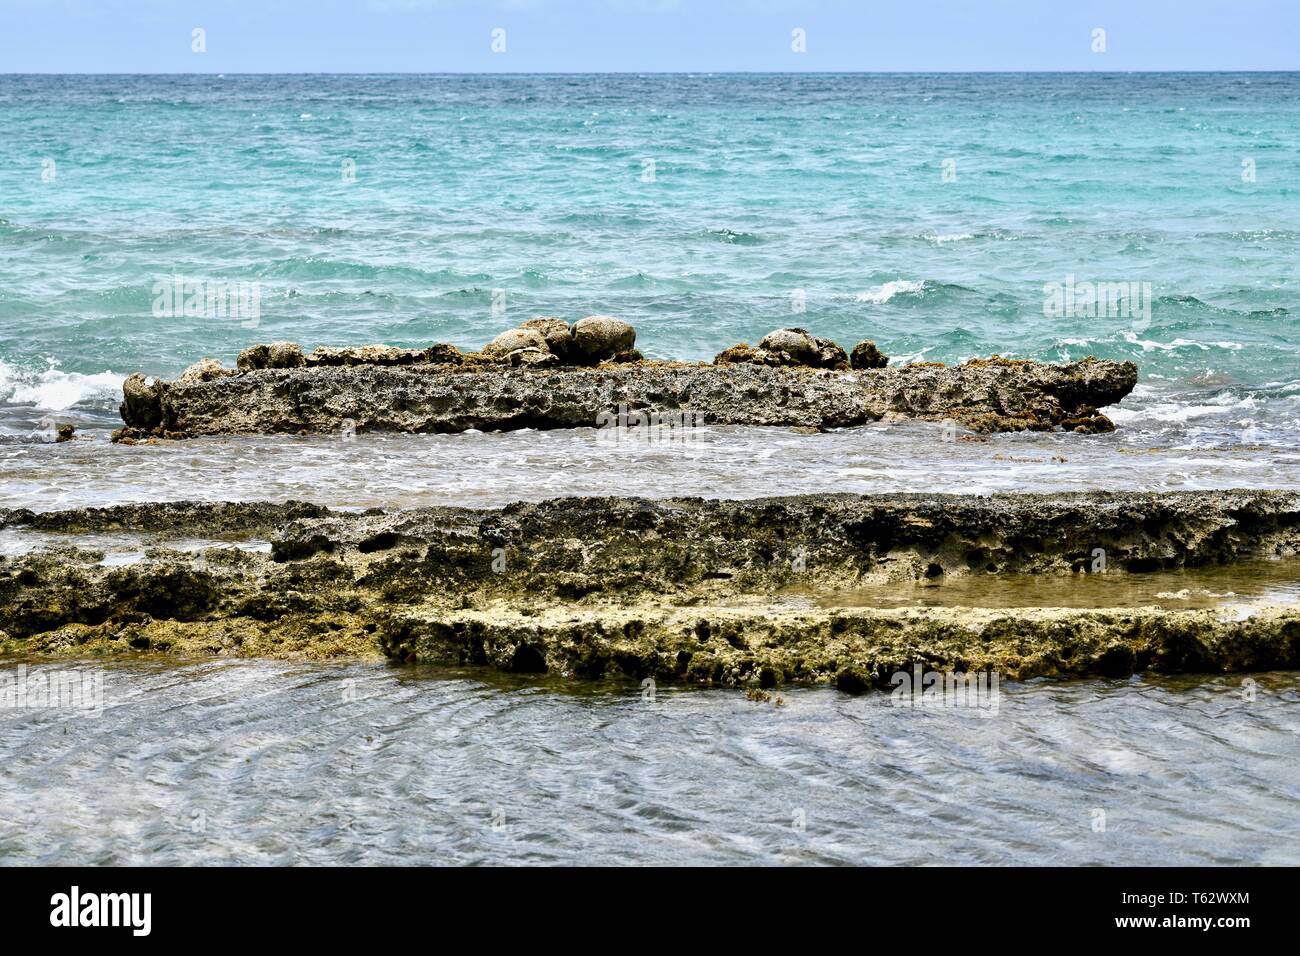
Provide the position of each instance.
(271, 355)
(684, 589)
(866, 355)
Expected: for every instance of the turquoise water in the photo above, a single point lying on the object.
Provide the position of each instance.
(482, 201)
(529, 193)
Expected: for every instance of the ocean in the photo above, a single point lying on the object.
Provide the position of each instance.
(944, 216)
(929, 213)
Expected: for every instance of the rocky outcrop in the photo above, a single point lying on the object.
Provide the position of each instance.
(787, 347)
(721, 592)
(854, 648)
(141, 406)
(981, 395)
(549, 374)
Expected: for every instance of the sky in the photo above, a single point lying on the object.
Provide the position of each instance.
(457, 36)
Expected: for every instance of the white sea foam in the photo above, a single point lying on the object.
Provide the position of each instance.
(1150, 345)
(891, 289)
(1180, 412)
(54, 389)
(910, 357)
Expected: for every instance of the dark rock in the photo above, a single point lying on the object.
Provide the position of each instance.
(866, 355)
(142, 402)
(440, 353)
(830, 355)
(680, 589)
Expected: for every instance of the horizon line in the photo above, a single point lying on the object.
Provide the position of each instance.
(224, 73)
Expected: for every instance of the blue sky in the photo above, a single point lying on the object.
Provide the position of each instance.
(154, 36)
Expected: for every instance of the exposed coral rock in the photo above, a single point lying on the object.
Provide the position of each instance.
(513, 339)
(683, 589)
(440, 353)
(799, 347)
(272, 355)
(599, 337)
(382, 355)
(787, 347)
(142, 402)
(558, 335)
(742, 353)
(866, 355)
(830, 355)
(205, 370)
(983, 396)
(531, 357)
(623, 358)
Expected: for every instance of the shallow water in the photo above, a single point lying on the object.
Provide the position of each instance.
(1238, 589)
(490, 470)
(267, 762)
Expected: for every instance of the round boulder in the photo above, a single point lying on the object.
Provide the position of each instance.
(599, 337)
(800, 346)
(513, 339)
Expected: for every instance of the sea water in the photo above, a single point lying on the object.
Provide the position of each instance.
(943, 216)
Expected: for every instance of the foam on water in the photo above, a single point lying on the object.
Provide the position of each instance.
(817, 201)
(56, 390)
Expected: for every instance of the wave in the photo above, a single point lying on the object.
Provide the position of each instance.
(889, 290)
(732, 237)
(316, 268)
(56, 390)
(1148, 345)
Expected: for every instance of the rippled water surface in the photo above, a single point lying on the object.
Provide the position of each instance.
(493, 199)
(820, 201)
(266, 762)
(490, 470)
